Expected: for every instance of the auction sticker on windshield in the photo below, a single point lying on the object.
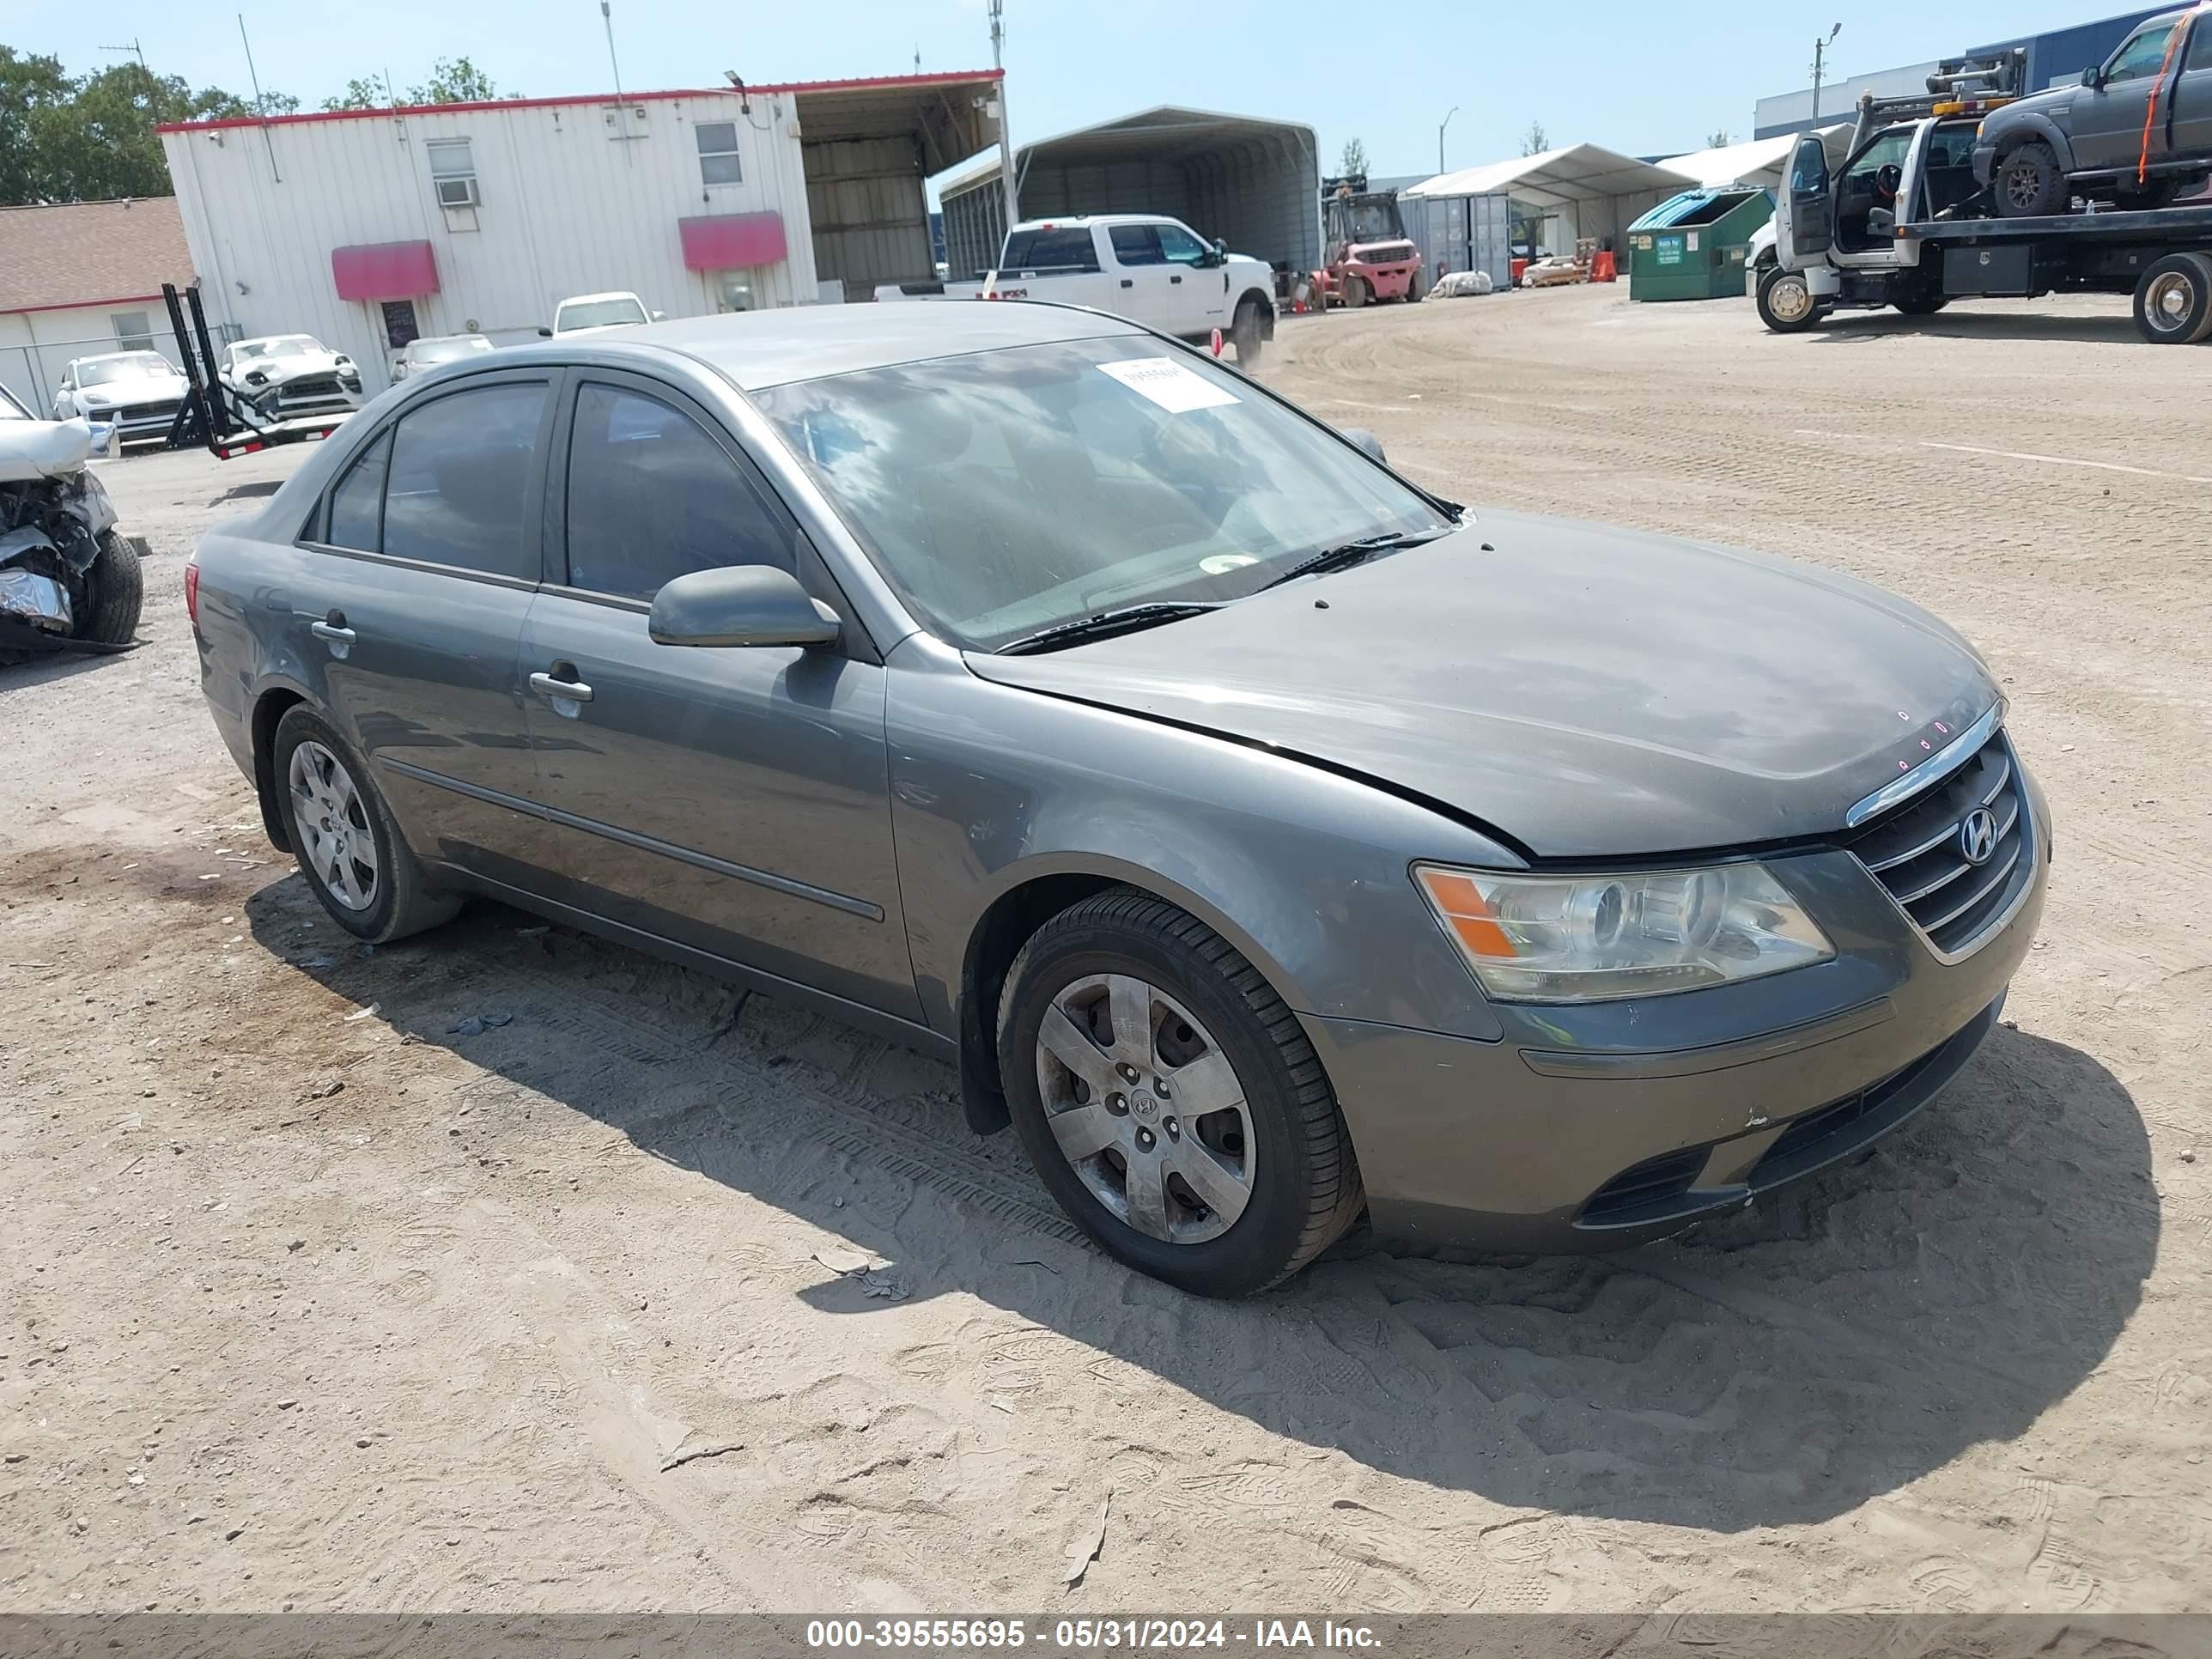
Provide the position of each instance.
(1169, 383)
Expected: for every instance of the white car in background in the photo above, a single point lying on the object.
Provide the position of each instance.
(284, 375)
(594, 313)
(137, 392)
(420, 356)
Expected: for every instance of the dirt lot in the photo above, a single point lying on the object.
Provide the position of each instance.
(550, 1316)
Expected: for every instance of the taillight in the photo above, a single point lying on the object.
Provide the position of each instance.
(192, 591)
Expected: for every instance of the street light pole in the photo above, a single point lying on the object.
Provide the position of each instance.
(1819, 61)
(1441, 125)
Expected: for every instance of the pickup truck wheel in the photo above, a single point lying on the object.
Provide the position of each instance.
(1248, 335)
(1786, 301)
(2030, 184)
(1170, 1100)
(349, 847)
(1355, 292)
(2173, 301)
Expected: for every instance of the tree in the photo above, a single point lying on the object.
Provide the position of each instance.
(361, 95)
(66, 138)
(1719, 140)
(1352, 164)
(1532, 142)
(275, 103)
(456, 80)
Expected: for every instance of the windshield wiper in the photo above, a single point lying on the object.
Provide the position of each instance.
(1126, 620)
(1351, 553)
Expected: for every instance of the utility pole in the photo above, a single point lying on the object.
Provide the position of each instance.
(1006, 180)
(1441, 125)
(1819, 61)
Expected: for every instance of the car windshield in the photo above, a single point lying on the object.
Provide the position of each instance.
(277, 345)
(600, 314)
(102, 371)
(1004, 492)
(450, 350)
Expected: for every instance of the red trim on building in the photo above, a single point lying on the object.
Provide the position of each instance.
(83, 304)
(732, 241)
(384, 270)
(887, 83)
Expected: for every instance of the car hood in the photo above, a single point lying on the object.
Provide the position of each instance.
(291, 366)
(2054, 101)
(1584, 691)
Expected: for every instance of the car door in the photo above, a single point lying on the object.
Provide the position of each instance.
(733, 799)
(1805, 215)
(2192, 93)
(2107, 118)
(1197, 287)
(413, 618)
(1141, 283)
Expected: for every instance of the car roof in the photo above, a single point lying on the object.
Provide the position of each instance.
(611, 294)
(1096, 219)
(113, 356)
(761, 349)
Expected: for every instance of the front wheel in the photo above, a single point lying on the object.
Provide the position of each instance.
(1786, 301)
(2029, 183)
(1170, 1100)
(115, 592)
(1248, 335)
(1355, 292)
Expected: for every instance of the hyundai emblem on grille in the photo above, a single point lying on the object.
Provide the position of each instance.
(1978, 835)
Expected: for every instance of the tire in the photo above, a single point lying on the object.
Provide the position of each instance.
(396, 899)
(1276, 1162)
(1922, 304)
(115, 593)
(2147, 198)
(2028, 182)
(1786, 303)
(1413, 289)
(2173, 301)
(1249, 336)
(1355, 292)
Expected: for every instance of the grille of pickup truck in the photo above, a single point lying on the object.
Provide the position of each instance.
(1919, 852)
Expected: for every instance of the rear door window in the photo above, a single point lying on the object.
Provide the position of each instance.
(1137, 245)
(457, 492)
(1065, 247)
(357, 504)
(651, 496)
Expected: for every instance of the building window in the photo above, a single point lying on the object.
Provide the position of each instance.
(453, 172)
(132, 333)
(718, 153)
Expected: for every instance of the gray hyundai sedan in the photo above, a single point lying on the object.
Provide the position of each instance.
(1267, 839)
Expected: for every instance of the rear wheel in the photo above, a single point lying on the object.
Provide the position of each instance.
(2173, 301)
(1248, 335)
(1355, 292)
(2029, 183)
(1786, 301)
(1922, 304)
(2149, 196)
(1170, 1100)
(349, 847)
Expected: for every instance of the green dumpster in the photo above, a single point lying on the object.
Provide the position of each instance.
(1690, 247)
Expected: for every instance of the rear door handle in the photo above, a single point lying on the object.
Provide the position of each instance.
(554, 689)
(1177, 278)
(333, 632)
(1128, 282)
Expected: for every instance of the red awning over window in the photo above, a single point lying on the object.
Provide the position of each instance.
(731, 241)
(384, 270)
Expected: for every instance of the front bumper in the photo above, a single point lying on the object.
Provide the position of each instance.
(1597, 1127)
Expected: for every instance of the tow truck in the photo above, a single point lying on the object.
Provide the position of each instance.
(1902, 223)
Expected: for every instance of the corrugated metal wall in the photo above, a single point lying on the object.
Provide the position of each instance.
(1262, 197)
(1461, 232)
(870, 213)
(570, 205)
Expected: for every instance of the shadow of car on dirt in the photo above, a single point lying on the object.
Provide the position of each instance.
(2010, 323)
(1782, 1367)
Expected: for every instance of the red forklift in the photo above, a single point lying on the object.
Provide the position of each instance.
(1368, 256)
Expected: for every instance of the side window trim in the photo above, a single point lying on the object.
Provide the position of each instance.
(555, 381)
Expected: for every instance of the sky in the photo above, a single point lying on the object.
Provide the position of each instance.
(1644, 79)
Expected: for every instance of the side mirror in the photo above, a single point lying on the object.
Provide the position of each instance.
(544, 333)
(2093, 76)
(1365, 442)
(660, 316)
(740, 604)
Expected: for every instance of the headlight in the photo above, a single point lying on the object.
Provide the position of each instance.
(1592, 939)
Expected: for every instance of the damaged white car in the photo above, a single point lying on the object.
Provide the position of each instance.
(68, 582)
(282, 376)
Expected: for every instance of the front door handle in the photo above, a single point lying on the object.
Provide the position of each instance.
(1177, 278)
(562, 685)
(1129, 281)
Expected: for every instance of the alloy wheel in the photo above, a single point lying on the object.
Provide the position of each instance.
(340, 846)
(1146, 1108)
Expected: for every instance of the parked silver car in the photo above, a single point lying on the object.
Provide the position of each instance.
(1265, 837)
(433, 350)
(137, 392)
(284, 376)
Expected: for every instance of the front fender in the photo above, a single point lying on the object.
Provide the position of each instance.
(2024, 125)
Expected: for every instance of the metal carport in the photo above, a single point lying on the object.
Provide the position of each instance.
(1254, 184)
(1585, 191)
(869, 146)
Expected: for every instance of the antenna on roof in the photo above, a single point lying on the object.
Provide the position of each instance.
(622, 109)
(260, 107)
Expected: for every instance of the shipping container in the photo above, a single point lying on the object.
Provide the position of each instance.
(1461, 232)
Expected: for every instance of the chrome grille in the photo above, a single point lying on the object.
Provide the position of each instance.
(1917, 852)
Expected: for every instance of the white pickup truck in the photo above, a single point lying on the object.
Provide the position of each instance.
(1153, 270)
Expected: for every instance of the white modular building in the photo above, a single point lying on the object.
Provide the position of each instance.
(368, 229)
